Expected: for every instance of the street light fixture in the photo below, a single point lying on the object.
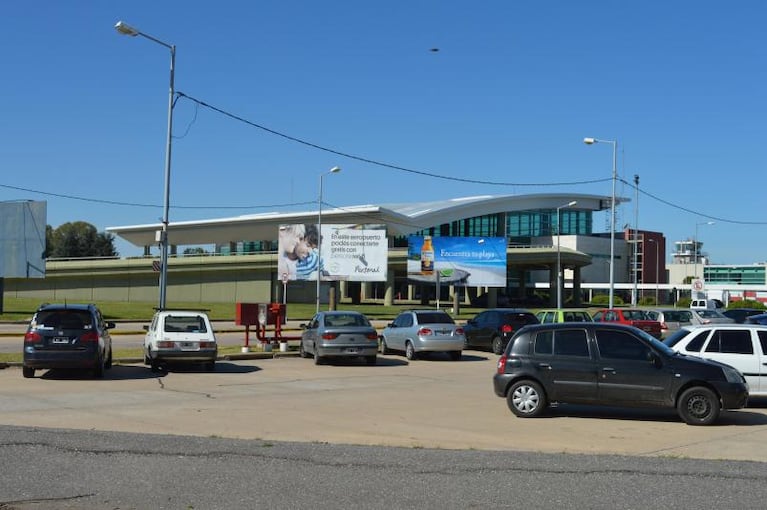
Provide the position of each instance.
(695, 247)
(125, 29)
(559, 262)
(591, 141)
(333, 170)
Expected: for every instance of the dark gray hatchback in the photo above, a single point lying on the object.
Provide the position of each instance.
(67, 336)
(611, 364)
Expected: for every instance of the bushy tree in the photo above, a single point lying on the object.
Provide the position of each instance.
(746, 303)
(78, 239)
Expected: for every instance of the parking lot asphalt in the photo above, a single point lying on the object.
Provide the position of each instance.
(430, 403)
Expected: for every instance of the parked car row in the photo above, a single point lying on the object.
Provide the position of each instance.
(614, 358)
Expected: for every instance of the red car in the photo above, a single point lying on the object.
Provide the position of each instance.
(631, 317)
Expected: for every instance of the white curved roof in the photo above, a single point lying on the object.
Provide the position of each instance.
(400, 219)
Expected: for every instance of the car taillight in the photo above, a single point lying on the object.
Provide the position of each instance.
(207, 345)
(507, 328)
(502, 364)
(329, 336)
(90, 336)
(32, 337)
(424, 332)
(165, 345)
(372, 336)
(459, 331)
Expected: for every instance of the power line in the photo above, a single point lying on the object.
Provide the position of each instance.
(380, 163)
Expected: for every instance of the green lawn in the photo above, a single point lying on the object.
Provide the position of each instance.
(23, 308)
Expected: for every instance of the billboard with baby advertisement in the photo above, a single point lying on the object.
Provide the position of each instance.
(470, 261)
(357, 253)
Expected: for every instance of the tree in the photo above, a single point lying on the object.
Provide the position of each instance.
(78, 239)
(195, 251)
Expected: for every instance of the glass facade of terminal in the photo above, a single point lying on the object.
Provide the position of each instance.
(738, 275)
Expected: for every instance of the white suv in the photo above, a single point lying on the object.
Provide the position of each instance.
(180, 336)
(742, 346)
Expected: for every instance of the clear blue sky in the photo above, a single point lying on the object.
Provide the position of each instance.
(508, 98)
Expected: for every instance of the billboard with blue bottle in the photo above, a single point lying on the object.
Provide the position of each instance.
(470, 261)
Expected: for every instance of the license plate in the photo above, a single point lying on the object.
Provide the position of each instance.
(60, 340)
(189, 345)
(351, 350)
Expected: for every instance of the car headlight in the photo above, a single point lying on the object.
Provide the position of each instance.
(733, 375)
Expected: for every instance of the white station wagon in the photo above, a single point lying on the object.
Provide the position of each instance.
(742, 346)
(180, 336)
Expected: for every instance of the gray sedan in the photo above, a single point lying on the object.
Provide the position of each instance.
(420, 331)
(339, 335)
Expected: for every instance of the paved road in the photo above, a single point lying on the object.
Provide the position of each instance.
(432, 403)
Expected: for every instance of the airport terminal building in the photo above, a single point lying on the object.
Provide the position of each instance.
(241, 265)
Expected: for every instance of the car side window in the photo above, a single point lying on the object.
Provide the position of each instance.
(482, 319)
(621, 345)
(731, 342)
(598, 316)
(544, 343)
(571, 342)
(763, 340)
(696, 343)
(405, 321)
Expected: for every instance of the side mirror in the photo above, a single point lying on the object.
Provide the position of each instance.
(391, 325)
(471, 322)
(109, 325)
(302, 326)
(146, 327)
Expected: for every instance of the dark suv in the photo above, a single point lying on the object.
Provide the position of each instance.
(492, 329)
(611, 364)
(67, 336)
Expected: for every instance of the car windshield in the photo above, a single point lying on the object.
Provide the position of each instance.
(186, 323)
(434, 318)
(346, 319)
(63, 319)
(674, 339)
(635, 315)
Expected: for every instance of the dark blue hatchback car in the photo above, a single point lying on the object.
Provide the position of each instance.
(67, 336)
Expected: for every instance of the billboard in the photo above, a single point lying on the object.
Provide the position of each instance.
(357, 253)
(22, 239)
(469, 261)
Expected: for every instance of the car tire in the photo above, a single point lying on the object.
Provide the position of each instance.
(109, 360)
(317, 357)
(526, 399)
(410, 353)
(384, 348)
(698, 406)
(301, 351)
(371, 360)
(98, 371)
(455, 355)
(27, 372)
(147, 361)
(154, 365)
(497, 345)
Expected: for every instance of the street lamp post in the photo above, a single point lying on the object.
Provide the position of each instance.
(695, 247)
(333, 170)
(657, 267)
(591, 141)
(559, 261)
(128, 30)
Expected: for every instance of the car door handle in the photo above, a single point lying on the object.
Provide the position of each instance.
(544, 365)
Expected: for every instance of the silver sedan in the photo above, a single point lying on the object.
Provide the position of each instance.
(340, 335)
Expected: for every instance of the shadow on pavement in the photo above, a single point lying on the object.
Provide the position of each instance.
(733, 417)
(116, 373)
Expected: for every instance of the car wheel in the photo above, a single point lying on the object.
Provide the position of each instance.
(317, 357)
(109, 359)
(455, 355)
(371, 360)
(27, 372)
(698, 406)
(526, 399)
(384, 348)
(301, 351)
(410, 352)
(154, 365)
(497, 345)
(98, 372)
(147, 361)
